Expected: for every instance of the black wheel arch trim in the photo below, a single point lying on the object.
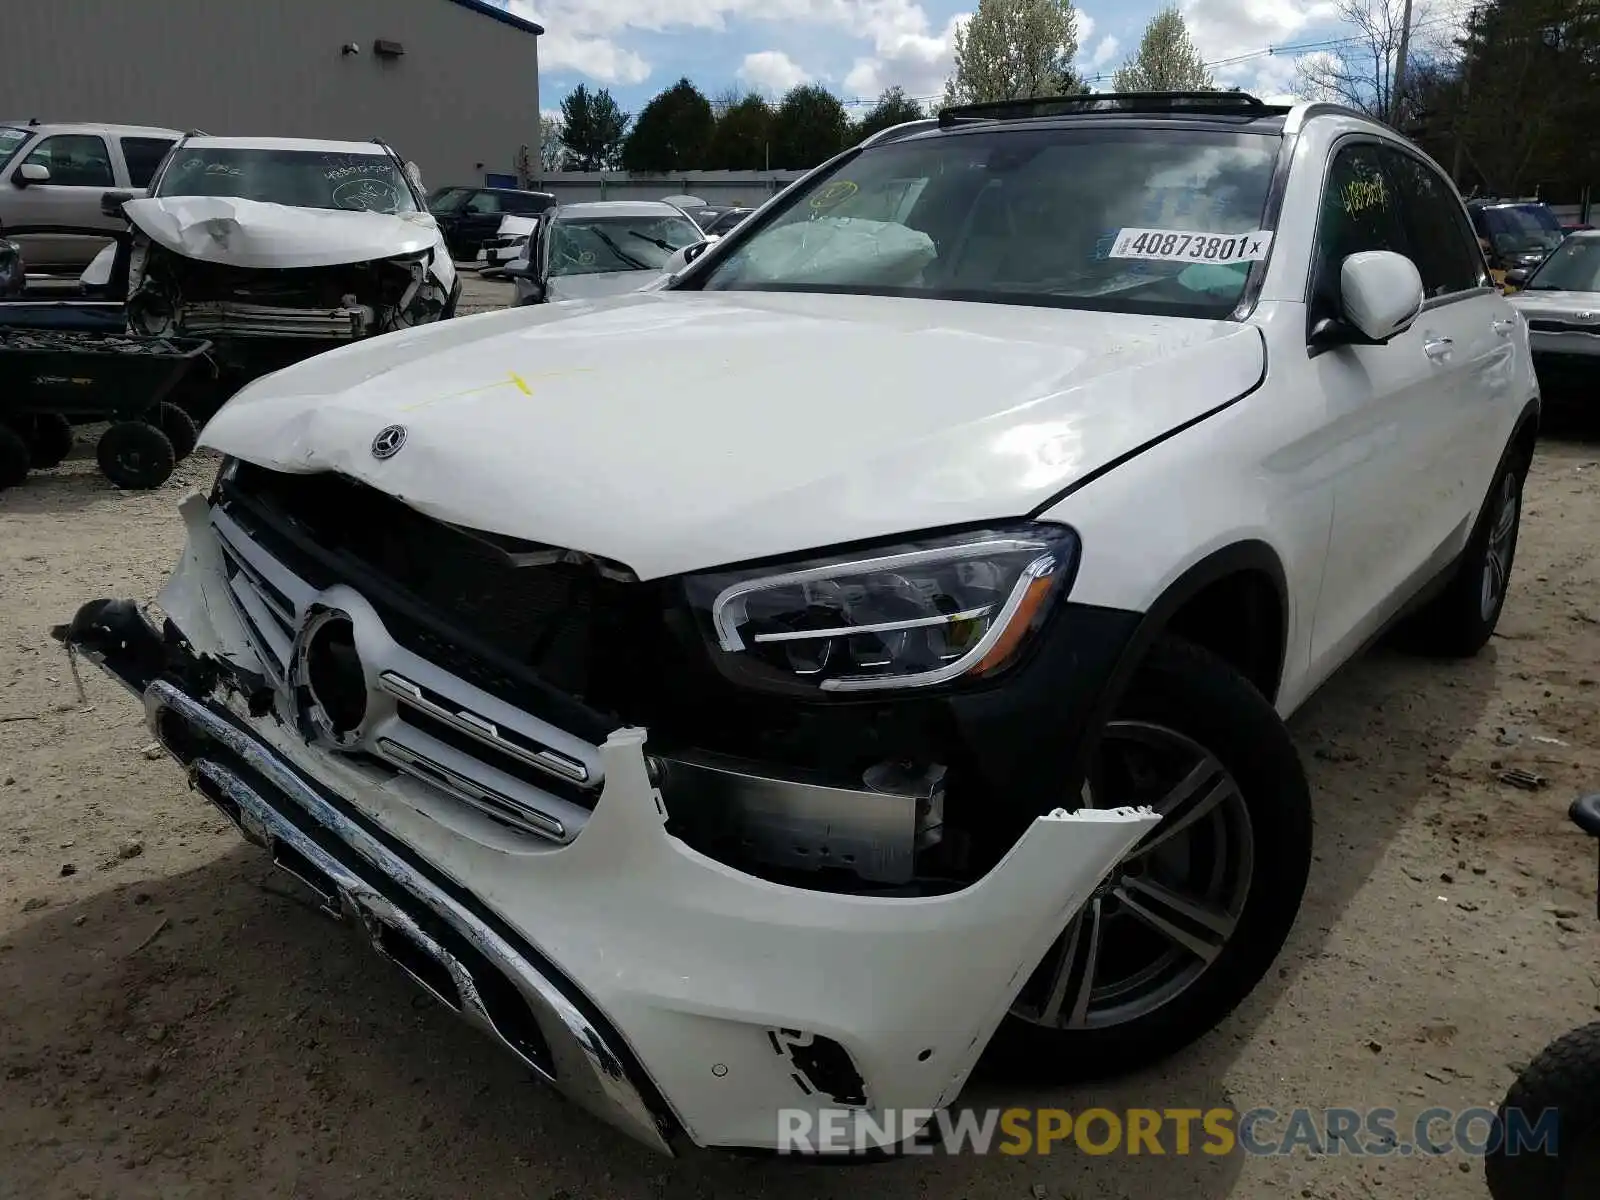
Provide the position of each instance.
(1249, 555)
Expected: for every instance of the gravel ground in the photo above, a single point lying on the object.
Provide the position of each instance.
(175, 1021)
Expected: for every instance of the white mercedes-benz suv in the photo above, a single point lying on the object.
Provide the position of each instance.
(872, 646)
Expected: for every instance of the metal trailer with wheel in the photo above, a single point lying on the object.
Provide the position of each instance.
(51, 378)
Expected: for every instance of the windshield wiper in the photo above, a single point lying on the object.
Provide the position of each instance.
(658, 243)
(617, 250)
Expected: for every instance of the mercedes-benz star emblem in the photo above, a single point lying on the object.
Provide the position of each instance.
(388, 442)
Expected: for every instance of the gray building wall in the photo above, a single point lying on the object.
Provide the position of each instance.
(461, 101)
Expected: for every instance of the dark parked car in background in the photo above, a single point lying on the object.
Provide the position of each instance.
(470, 216)
(1514, 234)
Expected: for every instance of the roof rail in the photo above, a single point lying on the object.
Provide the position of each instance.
(1222, 103)
(905, 129)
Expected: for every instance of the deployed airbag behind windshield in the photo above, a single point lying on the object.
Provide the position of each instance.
(840, 250)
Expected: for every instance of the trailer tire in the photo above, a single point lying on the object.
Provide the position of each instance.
(50, 440)
(135, 455)
(180, 429)
(13, 458)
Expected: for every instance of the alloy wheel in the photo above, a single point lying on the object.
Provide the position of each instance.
(1166, 911)
(1501, 545)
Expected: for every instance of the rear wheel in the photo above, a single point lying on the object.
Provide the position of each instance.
(48, 437)
(180, 429)
(14, 458)
(1191, 918)
(135, 455)
(1460, 620)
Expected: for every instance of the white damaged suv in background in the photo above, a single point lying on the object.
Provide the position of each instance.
(276, 249)
(768, 691)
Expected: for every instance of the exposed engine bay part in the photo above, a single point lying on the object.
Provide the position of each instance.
(169, 294)
(807, 823)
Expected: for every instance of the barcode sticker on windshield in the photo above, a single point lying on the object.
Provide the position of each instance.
(1173, 245)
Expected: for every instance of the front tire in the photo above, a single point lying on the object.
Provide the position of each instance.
(135, 455)
(1564, 1077)
(1186, 925)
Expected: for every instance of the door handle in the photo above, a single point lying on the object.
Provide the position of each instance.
(1504, 327)
(1438, 347)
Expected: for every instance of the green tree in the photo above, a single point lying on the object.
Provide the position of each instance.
(552, 151)
(592, 129)
(672, 133)
(742, 140)
(1167, 60)
(893, 108)
(1015, 50)
(809, 127)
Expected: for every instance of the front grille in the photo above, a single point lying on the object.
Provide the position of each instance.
(533, 620)
(541, 616)
(1547, 325)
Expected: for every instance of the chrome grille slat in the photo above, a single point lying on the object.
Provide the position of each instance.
(484, 731)
(486, 800)
(262, 620)
(508, 739)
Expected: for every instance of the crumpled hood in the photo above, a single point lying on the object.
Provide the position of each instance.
(253, 233)
(673, 431)
(1559, 305)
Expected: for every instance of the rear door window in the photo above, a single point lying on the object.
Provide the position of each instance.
(525, 205)
(74, 160)
(143, 156)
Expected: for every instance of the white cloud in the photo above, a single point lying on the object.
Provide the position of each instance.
(1228, 28)
(1105, 51)
(901, 45)
(772, 70)
(598, 58)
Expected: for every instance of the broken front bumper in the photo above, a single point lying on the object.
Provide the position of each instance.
(663, 991)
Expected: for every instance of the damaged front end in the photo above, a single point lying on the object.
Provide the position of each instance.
(688, 907)
(269, 284)
(169, 295)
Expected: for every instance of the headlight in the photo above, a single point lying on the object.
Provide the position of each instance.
(908, 616)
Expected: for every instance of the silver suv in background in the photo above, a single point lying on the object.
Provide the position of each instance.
(55, 174)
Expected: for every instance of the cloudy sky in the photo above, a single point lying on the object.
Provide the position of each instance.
(856, 48)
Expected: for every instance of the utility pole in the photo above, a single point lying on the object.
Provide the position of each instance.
(1469, 52)
(1400, 66)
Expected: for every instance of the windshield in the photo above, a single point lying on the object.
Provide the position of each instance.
(11, 140)
(1524, 228)
(448, 199)
(1122, 219)
(1573, 266)
(592, 245)
(299, 178)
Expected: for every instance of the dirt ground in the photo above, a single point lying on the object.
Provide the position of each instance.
(175, 1021)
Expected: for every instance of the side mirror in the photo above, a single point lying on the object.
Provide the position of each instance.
(1380, 294)
(685, 255)
(32, 173)
(111, 203)
(1517, 278)
(520, 268)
